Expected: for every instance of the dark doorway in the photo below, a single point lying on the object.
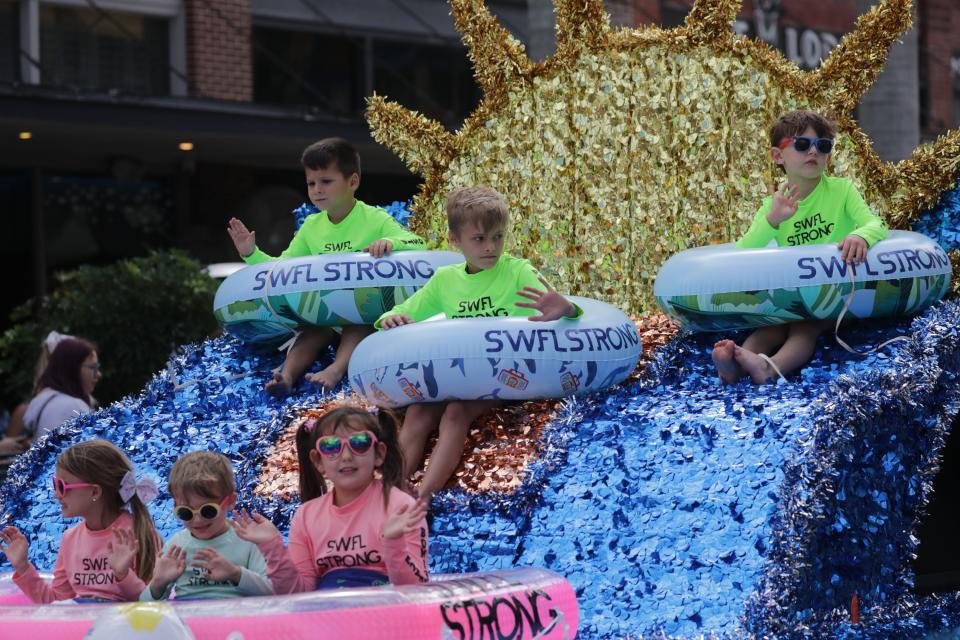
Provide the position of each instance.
(938, 557)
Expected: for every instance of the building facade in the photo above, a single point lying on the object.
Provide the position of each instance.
(130, 125)
(137, 124)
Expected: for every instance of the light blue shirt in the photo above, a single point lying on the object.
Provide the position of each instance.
(193, 584)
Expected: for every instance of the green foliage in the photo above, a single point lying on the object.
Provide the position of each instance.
(137, 311)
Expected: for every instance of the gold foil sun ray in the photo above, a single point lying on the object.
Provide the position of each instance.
(629, 145)
(711, 21)
(852, 67)
(581, 24)
(498, 59)
(424, 144)
(931, 170)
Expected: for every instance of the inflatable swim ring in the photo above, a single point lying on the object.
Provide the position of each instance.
(720, 287)
(515, 603)
(496, 358)
(268, 301)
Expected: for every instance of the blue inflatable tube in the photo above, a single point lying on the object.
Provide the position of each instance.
(496, 358)
(269, 301)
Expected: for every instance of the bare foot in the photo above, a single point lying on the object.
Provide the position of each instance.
(727, 368)
(279, 387)
(327, 378)
(756, 367)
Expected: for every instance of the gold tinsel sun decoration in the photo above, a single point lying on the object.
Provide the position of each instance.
(628, 145)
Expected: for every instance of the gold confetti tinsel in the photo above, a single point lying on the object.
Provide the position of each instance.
(629, 145)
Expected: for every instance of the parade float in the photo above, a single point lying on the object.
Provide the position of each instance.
(674, 506)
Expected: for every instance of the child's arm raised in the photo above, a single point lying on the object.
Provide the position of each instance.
(243, 239)
(170, 566)
(121, 553)
(780, 206)
(289, 570)
(250, 578)
(783, 204)
(550, 304)
(405, 544)
(15, 547)
(245, 242)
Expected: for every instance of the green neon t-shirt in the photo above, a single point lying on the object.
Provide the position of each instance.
(832, 211)
(362, 226)
(458, 294)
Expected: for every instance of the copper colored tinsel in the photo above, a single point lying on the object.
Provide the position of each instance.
(500, 445)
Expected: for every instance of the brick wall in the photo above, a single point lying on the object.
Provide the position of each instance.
(939, 22)
(219, 61)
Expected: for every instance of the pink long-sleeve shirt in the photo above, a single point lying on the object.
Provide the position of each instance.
(82, 569)
(324, 537)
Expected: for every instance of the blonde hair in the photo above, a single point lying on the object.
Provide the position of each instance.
(202, 473)
(100, 462)
(482, 205)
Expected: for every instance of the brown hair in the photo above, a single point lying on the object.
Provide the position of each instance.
(482, 205)
(62, 372)
(100, 462)
(332, 152)
(796, 122)
(203, 473)
(383, 425)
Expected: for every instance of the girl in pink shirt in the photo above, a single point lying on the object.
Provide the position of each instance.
(108, 556)
(365, 531)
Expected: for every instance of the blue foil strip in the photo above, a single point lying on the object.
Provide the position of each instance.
(677, 507)
(942, 222)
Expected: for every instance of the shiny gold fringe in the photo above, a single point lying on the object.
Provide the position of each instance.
(629, 145)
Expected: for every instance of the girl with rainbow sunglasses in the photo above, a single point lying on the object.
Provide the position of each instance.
(364, 532)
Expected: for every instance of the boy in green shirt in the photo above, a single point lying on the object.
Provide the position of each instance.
(487, 283)
(344, 224)
(808, 208)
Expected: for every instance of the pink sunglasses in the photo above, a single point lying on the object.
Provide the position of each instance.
(60, 487)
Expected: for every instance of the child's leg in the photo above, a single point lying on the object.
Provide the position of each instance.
(454, 427)
(349, 339)
(795, 352)
(301, 355)
(763, 340)
(419, 422)
(767, 339)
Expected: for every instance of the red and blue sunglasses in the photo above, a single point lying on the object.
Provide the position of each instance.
(803, 144)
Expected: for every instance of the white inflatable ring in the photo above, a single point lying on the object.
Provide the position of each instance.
(720, 287)
(496, 358)
(268, 301)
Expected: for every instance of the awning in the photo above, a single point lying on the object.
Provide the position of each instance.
(426, 20)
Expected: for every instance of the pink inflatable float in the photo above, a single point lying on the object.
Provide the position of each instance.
(520, 604)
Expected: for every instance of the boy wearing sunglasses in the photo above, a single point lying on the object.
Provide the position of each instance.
(206, 559)
(807, 208)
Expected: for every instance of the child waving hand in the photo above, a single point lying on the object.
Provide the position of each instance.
(111, 554)
(366, 531)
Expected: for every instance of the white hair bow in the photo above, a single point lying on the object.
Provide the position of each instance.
(53, 339)
(145, 488)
